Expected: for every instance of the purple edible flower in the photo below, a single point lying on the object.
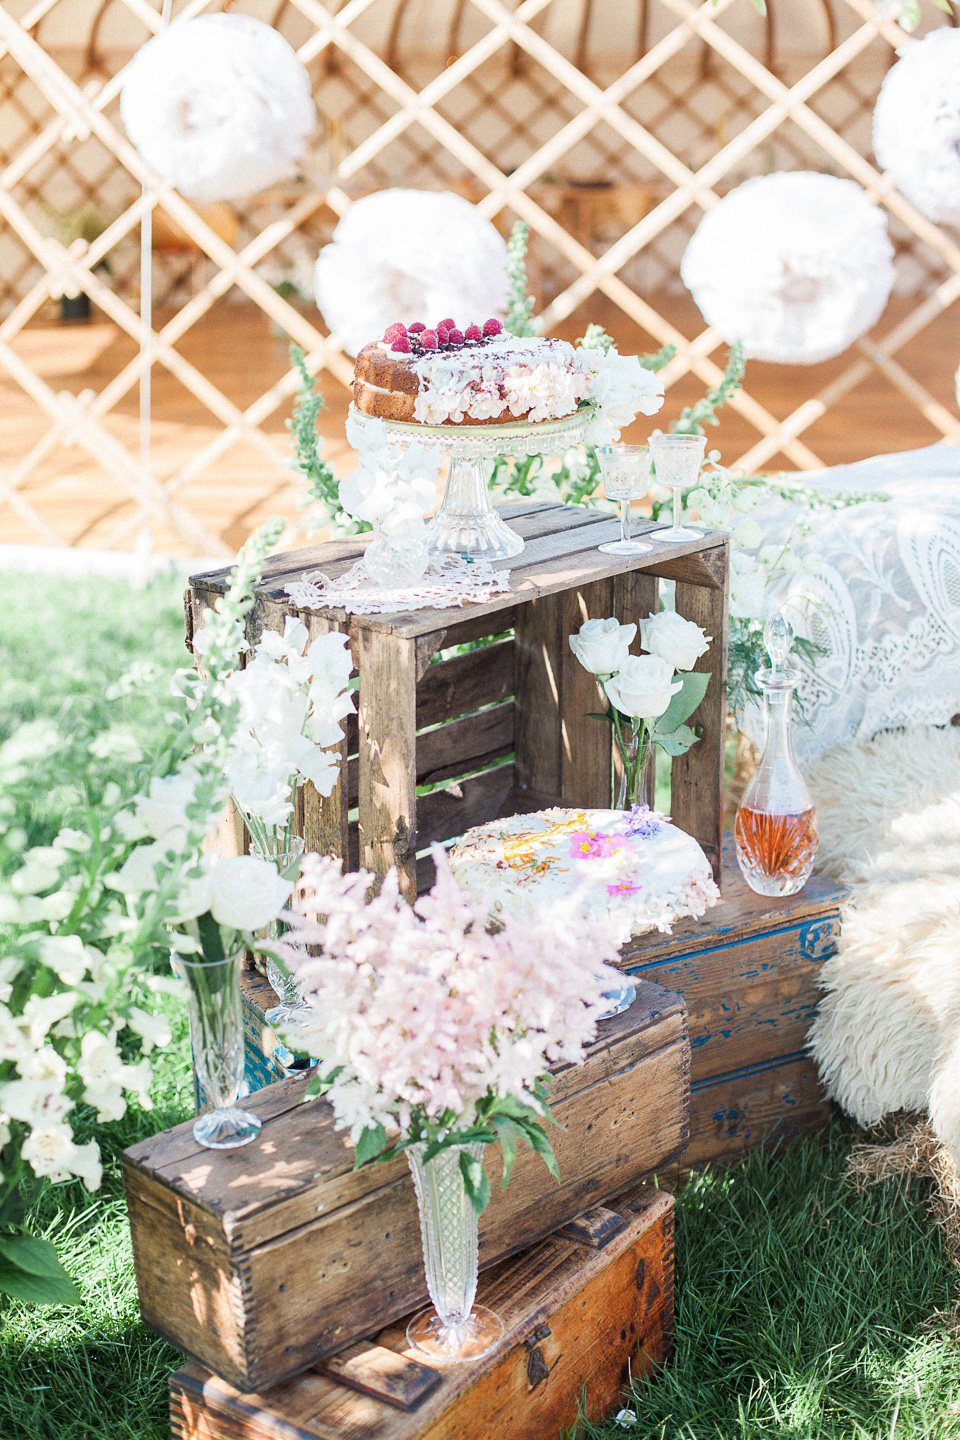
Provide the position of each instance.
(644, 822)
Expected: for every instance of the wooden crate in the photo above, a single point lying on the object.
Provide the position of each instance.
(582, 1316)
(258, 1261)
(505, 728)
(748, 973)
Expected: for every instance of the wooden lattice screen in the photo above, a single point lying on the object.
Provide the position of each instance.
(608, 125)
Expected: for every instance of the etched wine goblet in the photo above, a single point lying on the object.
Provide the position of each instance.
(677, 459)
(625, 470)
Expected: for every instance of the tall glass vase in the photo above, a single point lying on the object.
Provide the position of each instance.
(455, 1330)
(293, 1008)
(216, 1033)
(635, 757)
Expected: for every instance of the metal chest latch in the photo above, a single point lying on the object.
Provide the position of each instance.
(537, 1368)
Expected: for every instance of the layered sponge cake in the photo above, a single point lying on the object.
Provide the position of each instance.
(480, 376)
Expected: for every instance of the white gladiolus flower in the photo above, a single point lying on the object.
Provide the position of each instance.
(643, 688)
(602, 646)
(680, 642)
(247, 892)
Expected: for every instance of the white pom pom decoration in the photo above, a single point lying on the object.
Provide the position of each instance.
(916, 124)
(409, 255)
(219, 106)
(796, 266)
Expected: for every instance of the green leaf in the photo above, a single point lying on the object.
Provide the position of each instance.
(211, 941)
(536, 1138)
(475, 1181)
(678, 742)
(30, 1271)
(369, 1146)
(508, 1133)
(600, 715)
(692, 690)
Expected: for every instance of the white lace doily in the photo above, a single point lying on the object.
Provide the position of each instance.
(449, 581)
(885, 605)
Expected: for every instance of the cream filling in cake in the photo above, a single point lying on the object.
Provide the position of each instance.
(536, 378)
(635, 868)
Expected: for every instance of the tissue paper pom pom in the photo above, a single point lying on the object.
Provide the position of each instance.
(916, 124)
(406, 253)
(796, 266)
(219, 106)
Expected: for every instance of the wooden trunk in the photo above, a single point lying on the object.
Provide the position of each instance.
(581, 1318)
(748, 974)
(258, 1261)
(445, 741)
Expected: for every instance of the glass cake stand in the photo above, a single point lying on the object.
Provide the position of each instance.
(466, 522)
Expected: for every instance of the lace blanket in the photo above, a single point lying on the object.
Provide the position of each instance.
(885, 603)
(448, 581)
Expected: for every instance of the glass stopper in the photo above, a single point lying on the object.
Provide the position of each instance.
(778, 636)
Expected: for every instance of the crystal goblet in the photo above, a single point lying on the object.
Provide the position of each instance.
(677, 459)
(625, 470)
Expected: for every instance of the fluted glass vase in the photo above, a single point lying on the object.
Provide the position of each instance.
(455, 1330)
(216, 1034)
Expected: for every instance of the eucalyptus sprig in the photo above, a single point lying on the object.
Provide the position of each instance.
(322, 486)
(704, 412)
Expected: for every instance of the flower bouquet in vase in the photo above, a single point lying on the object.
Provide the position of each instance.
(292, 697)
(649, 696)
(436, 1035)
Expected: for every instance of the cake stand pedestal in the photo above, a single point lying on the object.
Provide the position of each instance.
(466, 522)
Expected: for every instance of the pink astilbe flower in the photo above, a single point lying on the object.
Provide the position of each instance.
(424, 1011)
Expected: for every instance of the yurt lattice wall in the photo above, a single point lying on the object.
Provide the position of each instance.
(608, 125)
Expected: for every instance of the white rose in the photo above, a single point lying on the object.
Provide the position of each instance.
(602, 646)
(680, 642)
(643, 688)
(247, 893)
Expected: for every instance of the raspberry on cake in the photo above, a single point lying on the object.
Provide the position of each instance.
(480, 376)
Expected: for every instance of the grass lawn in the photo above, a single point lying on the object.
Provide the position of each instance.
(805, 1310)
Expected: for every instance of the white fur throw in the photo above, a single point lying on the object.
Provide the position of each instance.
(887, 1036)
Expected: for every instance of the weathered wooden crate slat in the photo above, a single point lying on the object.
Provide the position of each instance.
(259, 1261)
(504, 728)
(748, 972)
(581, 1317)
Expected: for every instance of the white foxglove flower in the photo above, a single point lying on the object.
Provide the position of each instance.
(163, 810)
(52, 1153)
(66, 956)
(40, 870)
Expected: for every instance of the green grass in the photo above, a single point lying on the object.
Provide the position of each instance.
(805, 1310)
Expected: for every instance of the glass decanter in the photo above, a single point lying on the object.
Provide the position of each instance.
(776, 829)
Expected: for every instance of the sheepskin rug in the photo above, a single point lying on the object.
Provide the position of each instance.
(887, 1035)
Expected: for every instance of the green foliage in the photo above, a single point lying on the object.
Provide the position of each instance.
(520, 303)
(659, 358)
(596, 338)
(322, 487)
(30, 1271)
(704, 412)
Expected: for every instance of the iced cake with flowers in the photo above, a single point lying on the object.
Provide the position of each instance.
(632, 867)
(477, 376)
